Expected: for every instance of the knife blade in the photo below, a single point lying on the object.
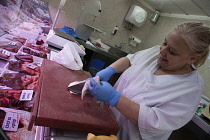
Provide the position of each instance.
(76, 87)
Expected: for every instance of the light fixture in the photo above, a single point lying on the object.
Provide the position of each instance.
(154, 16)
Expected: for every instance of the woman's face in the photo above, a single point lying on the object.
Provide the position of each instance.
(174, 54)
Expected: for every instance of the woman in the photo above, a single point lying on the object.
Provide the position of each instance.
(160, 88)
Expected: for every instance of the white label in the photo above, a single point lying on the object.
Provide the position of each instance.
(31, 66)
(35, 51)
(11, 121)
(34, 45)
(26, 95)
(6, 52)
(12, 43)
(39, 64)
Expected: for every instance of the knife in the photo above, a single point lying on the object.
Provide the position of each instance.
(76, 87)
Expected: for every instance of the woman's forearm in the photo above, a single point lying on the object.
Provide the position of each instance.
(128, 108)
(121, 64)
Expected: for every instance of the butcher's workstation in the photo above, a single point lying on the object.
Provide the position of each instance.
(35, 102)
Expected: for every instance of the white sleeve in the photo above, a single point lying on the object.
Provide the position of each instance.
(171, 115)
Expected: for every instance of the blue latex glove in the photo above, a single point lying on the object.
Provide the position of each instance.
(106, 73)
(103, 92)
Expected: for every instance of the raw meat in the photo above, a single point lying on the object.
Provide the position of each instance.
(11, 47)
(35, 53)
(85, 88)
(19, 81)
(31, 71)
(22, 67)
(31, 82)
(19, 39)
(13, 80)
(4, 56)
(15, 65)
(39, 42)
(41, 48)
(10, 99)
(25, 58)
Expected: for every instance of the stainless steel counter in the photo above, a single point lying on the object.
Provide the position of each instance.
(46, 133)
(113, 53)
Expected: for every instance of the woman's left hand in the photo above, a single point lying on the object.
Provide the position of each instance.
(103, 92)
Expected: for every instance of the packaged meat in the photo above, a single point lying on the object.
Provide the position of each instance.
(31, 68)
(13, 80)
(17, 39)
(24, 67)
(15, 65)
(24, 57)
(4, 54)
(10, 99)
(34, 52)
(10, 46)
(40, 48)
(19, 81)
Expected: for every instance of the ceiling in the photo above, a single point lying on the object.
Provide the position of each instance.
(191, 8)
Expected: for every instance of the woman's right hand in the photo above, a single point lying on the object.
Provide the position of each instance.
(106, 73)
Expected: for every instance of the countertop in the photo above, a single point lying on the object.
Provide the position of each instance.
(113, 53)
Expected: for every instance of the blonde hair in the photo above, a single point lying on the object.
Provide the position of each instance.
(197, 36)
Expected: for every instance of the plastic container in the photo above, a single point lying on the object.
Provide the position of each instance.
(97, 64)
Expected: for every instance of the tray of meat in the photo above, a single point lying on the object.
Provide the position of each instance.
(34, 52)
(28, 58)
(23, 67)
(22, 133)
(10, 99)
(17, 39)
(40, 48)
(12, 38)
(10, 46)
(24, 57)
(18, 81)
(6, 55)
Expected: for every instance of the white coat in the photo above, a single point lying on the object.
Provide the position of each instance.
(167, 102)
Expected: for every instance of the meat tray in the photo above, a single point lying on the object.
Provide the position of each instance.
(56, 107)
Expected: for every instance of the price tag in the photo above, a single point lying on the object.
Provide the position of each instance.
(26, 95)
(11, 121)
(35, 51)
(31, 66)
(6, 52)
(34, 45)
(12, 43)
(39, 64)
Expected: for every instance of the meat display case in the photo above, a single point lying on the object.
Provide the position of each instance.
(56, 107)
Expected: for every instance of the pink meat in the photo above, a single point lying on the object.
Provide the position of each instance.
(85, 88)
(29, 70)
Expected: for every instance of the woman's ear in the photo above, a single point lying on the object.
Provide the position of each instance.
(195, 58)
